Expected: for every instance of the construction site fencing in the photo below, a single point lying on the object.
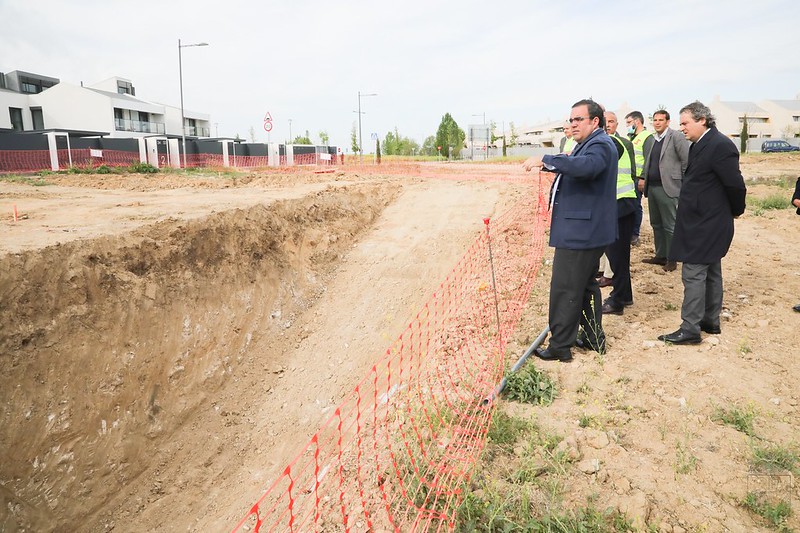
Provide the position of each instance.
(398, 452)
(39, 160)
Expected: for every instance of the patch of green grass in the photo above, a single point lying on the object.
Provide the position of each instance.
(25, 180)
(740, 418)
(775, 513)
(142, 168)
(530, 385)
(773, 457)
(506, 429)
(773, 201)
(669, 306)
(519, 512)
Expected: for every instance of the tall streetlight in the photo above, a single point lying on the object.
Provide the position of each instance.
(360, 144)
(290, 131)
(180, 76)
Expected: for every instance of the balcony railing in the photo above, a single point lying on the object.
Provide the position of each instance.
(196, 131)
(123, 124)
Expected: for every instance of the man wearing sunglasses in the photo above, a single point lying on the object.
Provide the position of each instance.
(583, 222)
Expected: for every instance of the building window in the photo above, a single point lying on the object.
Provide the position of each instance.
(16, 118)
(796, 118)
(125, 87)
(32, 85)
(37, 118)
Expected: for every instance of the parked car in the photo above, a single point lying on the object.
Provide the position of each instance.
(778, 146)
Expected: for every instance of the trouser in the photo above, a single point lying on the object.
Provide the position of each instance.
(663, 210)
(619, 257)
(637, 223)
(575, 299)
(605, 267)
(702, 295)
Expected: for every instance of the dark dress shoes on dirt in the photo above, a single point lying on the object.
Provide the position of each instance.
(655, 261)
(680, 337)
(547, 355)
(611, 309)
(797, 308)
(710, 328)
(605, 282)
(598, 345)
(670, 266)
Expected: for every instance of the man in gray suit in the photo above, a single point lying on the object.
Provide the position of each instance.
(660, 182)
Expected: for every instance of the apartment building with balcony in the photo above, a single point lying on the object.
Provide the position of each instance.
(767, 119)
(110, 108)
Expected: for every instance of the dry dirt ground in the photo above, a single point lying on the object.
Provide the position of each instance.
(169, 342)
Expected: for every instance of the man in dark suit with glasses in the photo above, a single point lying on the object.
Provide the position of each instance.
(583, 223)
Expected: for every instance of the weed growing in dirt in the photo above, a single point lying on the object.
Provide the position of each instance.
(142, 168)
(531, 385)
(744, 346)
(740, 418)
(25, 180)
(520, 514)
(773, 457)
(506, 429)
(685, 461)
(774, 513)
(669, 306)
(773, 201)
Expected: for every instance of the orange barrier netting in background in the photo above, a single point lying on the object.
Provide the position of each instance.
(398, 452)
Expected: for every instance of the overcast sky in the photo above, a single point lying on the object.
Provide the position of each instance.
(524, 61)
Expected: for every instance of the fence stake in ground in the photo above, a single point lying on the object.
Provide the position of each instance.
(502, 385)
(494, 282)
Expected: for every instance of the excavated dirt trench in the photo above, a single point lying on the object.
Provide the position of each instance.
(109, 345)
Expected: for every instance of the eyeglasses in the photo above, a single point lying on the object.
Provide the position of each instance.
(577, 119)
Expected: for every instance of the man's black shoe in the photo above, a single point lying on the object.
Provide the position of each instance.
(628, 303)
(547, 355)
(655, 261)
(710, 328)
(797, 308)
(680, 337)
(609, 309)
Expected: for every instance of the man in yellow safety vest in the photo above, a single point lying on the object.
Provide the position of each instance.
(642, 144)
(619, 252)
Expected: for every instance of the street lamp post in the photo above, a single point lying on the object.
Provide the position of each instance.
(360, 144)
(180, 77)
(290, 132)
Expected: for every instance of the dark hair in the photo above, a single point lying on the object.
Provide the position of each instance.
(699, 110)
(636, 115)
(662, 112)
(595, 111)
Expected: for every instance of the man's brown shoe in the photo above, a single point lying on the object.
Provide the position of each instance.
(655, 261)
(670, 266)
(605, 282)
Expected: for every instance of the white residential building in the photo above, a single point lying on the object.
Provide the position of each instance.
(31, 102)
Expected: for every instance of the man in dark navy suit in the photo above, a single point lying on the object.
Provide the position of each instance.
(583, 222)
(712, 195)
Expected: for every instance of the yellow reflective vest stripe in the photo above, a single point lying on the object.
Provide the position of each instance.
(569, 145)
(626, 188)
(638, 148)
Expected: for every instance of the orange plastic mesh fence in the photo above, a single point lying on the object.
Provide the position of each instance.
(398, 452)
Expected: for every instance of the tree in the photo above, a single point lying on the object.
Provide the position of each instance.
(429, 146)
(252, 134)
(302, 140)
(449, 135)
(396, 144)
(744, 136)
(323, 137)
(354, 139)
(378, 150)
(514, 136)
